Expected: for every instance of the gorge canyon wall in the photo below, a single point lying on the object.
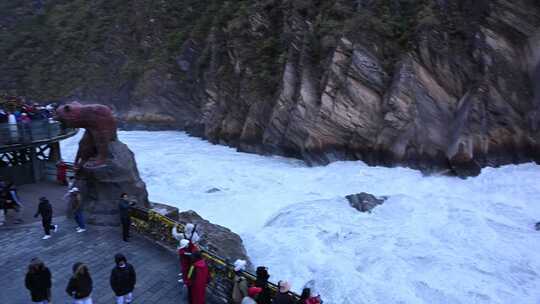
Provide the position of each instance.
(436, 85)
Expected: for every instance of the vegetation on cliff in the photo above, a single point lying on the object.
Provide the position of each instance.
(421, 83)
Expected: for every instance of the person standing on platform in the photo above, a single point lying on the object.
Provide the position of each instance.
(3, 207)
(240, 287)
(75, 202)
(197, 279)
(307, 297)
(46, 212)
(14, 201)
(283, 296)
(125, 219)
(80, 285)
(184, 254)
(189, 234)
(38, 282)
(262, 281)
(13, 128)
(123, 280)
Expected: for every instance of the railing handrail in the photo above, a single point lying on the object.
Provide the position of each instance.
(208, 254)
(32, 133)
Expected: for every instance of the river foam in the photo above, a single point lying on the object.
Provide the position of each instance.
(436, 240)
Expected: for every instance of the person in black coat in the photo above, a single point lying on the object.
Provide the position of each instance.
(80, 285)
(123, 279)
(38, 281)
(125, 220)
(262, 282)
(46, 212)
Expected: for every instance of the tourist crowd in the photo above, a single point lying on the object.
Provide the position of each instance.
(122, 280)
(15, 109)
(195, 276)
(194, 273)
(18, 115)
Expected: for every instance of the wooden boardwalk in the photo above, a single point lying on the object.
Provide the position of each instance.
(156, 267)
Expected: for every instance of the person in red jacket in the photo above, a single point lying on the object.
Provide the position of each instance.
(61, 172)
(197, 279)
(308, 297)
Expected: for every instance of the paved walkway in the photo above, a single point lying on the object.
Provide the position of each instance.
(30, 194)
(156, 267)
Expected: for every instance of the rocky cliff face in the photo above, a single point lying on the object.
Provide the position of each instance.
(434, 85)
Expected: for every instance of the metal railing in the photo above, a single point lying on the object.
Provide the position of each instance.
(31, 132)
(158, 227)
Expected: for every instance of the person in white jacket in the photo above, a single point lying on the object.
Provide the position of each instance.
(189, 234)
(13, 128)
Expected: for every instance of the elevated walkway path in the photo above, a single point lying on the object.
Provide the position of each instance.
(156, 267)
(38, 133)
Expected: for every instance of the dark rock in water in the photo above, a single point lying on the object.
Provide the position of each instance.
(463, 165)
(537, 226)
(218, 239)
(365, 202)
(213, 190)
(166, 210)
(101, 186)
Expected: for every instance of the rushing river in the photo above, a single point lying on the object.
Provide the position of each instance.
(436, 240)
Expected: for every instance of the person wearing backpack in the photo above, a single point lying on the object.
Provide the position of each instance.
(189, 233)
(123, 279)
(261, 281)
(240, 288)
(38, 282)
(80, 285)
(197, 279)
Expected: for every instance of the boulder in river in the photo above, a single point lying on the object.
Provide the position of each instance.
(365, 202)
(218, 239)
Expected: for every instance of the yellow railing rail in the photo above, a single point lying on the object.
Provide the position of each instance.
(160, 227)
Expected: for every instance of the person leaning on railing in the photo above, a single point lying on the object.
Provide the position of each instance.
(240, 287)
(197, 279)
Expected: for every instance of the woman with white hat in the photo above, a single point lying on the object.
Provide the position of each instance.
(283, 296)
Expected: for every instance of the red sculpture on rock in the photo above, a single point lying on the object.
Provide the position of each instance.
(100, 129)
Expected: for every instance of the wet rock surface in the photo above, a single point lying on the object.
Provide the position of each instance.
(218, 239)
(365, 202)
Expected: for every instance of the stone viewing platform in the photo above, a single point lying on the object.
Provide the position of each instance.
(156, 267)
(105, 170)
